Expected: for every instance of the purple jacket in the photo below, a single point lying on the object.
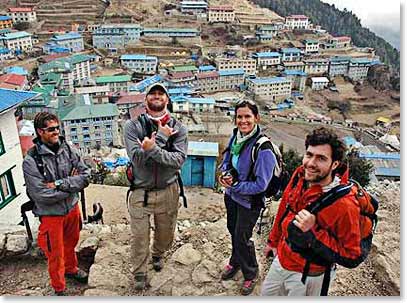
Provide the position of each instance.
(246, 191)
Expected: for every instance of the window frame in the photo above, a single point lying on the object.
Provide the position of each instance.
(2, 147)
(11, 188)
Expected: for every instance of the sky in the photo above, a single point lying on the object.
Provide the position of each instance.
(381, 16)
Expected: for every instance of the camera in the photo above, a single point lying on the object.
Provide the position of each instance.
(231, 173)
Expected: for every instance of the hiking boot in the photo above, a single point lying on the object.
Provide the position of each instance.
(229, 272)
(247, 287)
(80, 276)
(140, 279)
(157, 263)
(60, 293)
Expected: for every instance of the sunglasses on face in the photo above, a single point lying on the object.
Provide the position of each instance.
(51, 129)
(244, 102)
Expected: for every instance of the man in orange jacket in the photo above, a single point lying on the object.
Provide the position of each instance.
(332, 234)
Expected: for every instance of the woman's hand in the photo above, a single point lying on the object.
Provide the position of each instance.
(225, 181)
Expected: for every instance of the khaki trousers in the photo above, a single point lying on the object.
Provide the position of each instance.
(163, 206)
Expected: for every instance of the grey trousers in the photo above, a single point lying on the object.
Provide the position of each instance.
(282, 282)
(163, 206)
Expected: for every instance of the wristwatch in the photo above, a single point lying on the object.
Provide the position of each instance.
(58, 183)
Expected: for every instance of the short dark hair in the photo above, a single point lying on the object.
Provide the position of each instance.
(322, 135)
(41, 119)
(247, 103)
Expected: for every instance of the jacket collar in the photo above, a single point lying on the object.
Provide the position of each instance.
(44, 149)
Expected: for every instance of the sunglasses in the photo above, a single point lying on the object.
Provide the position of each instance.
(51, 129)
(244, 102)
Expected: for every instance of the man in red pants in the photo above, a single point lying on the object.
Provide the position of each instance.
(54, 174)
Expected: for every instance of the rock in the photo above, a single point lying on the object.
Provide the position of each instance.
(12, 229)
(28, 292)
(187, 255)
(205, 272)
(88, 246)
(108, 277)
(119, 228)
(187, 290)
(113, 255)
(187, 224)
(98, 292)
(161, 278)
(2, 243)
(17, 244)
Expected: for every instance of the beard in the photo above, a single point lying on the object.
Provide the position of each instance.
(319, 176)
(156, 106)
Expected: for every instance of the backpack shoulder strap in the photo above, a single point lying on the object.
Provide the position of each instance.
(33, 152)
(329, 198)
(256, 147)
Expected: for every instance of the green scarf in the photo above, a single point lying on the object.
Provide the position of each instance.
(240, 140)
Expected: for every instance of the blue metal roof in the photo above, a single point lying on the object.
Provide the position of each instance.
(361, 60)
(5, 18)
(339, 59)
(291, 50)
(381, 156)
(4, 50)
(388, 171)
(203, 148)
(182, 99)
(142, 85)
(179, 90)
(16, 70)
(67, 36)
(267, 54)
(206, 68)
(348, 140)
(231, 72)
(10, 98)
(15, 35)
(294, 73)
(268, 80)
(137, 57)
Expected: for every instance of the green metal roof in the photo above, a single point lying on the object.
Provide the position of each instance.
(110, 79)
(91, 111)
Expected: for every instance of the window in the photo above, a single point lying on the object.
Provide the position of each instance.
(2, 149)
(7, 190)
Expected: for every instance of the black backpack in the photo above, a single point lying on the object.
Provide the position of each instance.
(281, 177)
(146, 124)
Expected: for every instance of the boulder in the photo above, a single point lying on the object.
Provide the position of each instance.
(187, 255)
(16, 244)
(99, 292)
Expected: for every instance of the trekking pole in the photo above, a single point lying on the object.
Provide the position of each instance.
(83, 203)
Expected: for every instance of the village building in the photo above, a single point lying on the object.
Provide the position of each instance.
(116, 83)
(126, 102)
(297, 22)
(193, 6)
(341, 42)
(230, 79)
(206, 68)
(89, 125)
(293, 66)
(16, 41)
(207, 82)
(171, 32)
(291, 54)
(248, 65)
(358, 68)
(188, 104)
(271, 88)
(225, 13)
(317, 66)
(5, 54)
(99, 93)
(338, 66)
(116, 36)
(265, 60)
(72, 41)
(5, 22)
(186, 78)
(319, 83)
(22, 14)
(14, 82)
(12, 190)
(139, 63)
(311, 46)
(298, 79)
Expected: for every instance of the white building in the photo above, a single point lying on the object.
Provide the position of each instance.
(358, 68)
(189, 104)
(271, 88)
(5, 54)
(297, 22)
(248, 65)
(311, 46)
(265, 60)
(318, 83)
(140, 63)
(72, 41)
(207, 81)
(22, 14)
(224, 13)
(12, 190)
(316, 66)
(231, 78)
(17, 41)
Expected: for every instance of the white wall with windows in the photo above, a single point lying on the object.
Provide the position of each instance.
(12, 189)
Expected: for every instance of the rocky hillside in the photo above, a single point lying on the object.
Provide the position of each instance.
(200, 250)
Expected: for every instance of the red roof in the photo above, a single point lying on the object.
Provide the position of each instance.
(225, 8)
(20, 9)
(204, 75)
(13, 79)
(131, 99)
(342, 38)
(53, 57)
(181, 75)
(26, 142)
(297, 17)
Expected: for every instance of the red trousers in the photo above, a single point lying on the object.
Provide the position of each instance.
(57, 237)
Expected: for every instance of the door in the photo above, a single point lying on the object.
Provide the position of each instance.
(197, 170)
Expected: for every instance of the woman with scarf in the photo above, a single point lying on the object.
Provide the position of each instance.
(245, 183)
